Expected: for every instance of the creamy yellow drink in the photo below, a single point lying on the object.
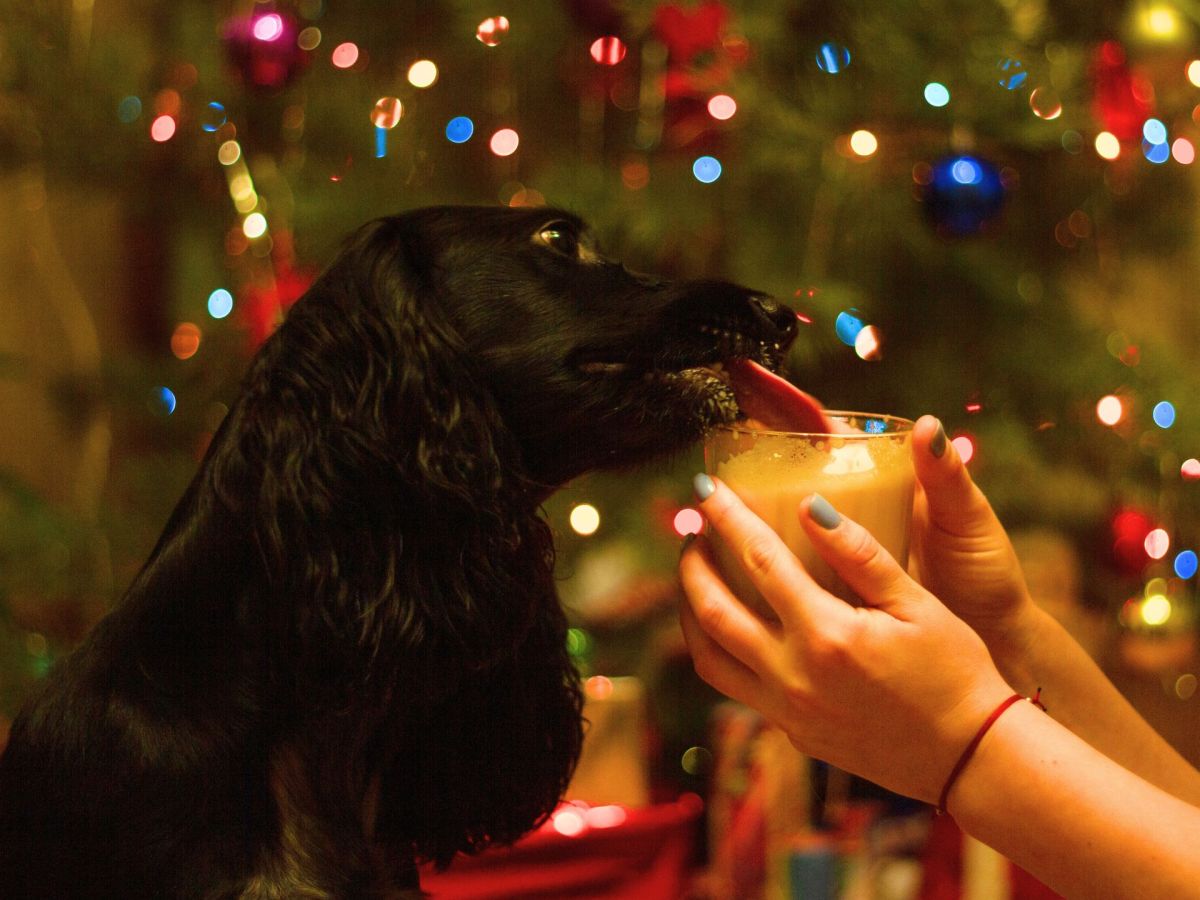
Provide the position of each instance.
(866, 473)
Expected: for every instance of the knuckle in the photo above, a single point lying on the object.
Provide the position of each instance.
(760, 555)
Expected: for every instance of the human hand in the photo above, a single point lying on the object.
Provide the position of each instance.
(962, 554)
(892, 691)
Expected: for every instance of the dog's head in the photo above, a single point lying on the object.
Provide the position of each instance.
(591, 365)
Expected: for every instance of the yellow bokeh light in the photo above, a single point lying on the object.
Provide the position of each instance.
(229, 153)
(1110, 410)
(423, 73)
(585, 519)
(1107, 145)
(863, 142)
(255, 225)
(1160, 22)
(1193, 72)
(1156, 609)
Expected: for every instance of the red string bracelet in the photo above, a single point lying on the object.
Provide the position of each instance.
(971, 747)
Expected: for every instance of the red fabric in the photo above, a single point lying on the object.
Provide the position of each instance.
(650, 856)
(942, 868)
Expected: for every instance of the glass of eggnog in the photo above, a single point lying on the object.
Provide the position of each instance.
(864, 468)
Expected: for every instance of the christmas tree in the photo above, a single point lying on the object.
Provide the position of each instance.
(981, 211)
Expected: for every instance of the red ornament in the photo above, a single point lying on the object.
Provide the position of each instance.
(1123, 100)
(1129, 529)
(689, 32)
(263, 49)
(264, 304)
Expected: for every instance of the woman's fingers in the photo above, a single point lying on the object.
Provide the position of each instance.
(723, 617)
(954, 502)
(773, 568)
(856, 556)
(715, 664)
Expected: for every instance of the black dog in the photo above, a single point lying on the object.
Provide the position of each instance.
(346, 652)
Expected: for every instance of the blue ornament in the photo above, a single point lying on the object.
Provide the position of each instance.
(964, 195)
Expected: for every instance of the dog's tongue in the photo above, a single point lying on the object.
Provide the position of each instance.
(774, 404)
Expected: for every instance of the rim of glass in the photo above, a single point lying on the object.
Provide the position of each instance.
(897, 425)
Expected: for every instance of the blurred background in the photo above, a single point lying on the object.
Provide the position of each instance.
(982, 210)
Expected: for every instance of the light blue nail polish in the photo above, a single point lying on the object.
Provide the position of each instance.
(703, 486)
(823, 513)
(937, 446)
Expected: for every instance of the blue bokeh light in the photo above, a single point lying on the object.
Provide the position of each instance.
(129, 109)
(1164, 414)
(220, 303)
(875, 426)
(459, 130)
(1156, 153)
(1154, 131)
(1186, 564)
(1012, 73)
(164, 399)
(707, 169)
(832, 58)
(936, 94)
(214, 116)
(849, 323)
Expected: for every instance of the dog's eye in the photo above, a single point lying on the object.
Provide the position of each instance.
(561, 238)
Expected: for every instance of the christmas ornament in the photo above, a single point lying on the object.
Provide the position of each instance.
(263, 49)
(964, 194)
(1122, 100)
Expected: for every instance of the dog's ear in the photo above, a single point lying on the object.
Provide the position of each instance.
(391, 519)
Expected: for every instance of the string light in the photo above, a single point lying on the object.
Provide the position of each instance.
(1110, 410)
(504, 142)
(585, 519)
(423, 73)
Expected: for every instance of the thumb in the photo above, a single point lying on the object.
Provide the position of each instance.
(858, 558)
(955, 503)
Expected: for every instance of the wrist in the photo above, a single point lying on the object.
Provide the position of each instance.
(1012, 642)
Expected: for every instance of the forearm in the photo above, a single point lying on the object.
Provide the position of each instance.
(1078, 694)
(1078, 821)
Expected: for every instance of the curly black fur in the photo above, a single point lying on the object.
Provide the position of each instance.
(346, 653)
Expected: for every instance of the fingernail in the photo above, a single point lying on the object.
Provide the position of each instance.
(823, 513)
(687, 542)
(703, 486)
(937, 446)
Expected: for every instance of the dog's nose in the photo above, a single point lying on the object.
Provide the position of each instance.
(780, 317)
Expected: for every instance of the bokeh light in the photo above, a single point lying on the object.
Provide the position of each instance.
(1110, 410)
(1012, 73)
(229, 153)
(423, 73)
(504, 142)
(1163, 414)
(1159, 22)
(164, 400)
(722, 107)
(220, 303)
(1154, 131)
(129, 109)
(1045, 103)
(964, 446)
(584, 519)
(459, 130)
(832, 58)
(937, 94)
(608, 50)
(868, 344)
(847, 326)
(609, 816)
(1193, 72)
(1186, 564)
(386, 112)
(1190, 470)
(1184, 151)
(706, 169)
(1107, 145)
(268, 27)
(491, 31)
(309, 38)
(1157, 543)
(688, 521)
(1156, 610)
(255, 225)
(162, 129)
(569, 821)
(344, 55)
(863, 142)
(214, 116)
(185, 340)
